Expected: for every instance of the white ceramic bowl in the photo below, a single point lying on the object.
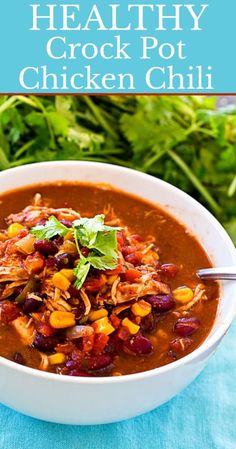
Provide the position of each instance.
(71, 400)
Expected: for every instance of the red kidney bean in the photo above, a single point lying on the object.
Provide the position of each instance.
(139, 345)
(134, 258)
(161, 303)
(85, 251)
(186, 326)
(169, 270)
(46, 247)
(31, 305)
(64, 260)
(50, 262)
(148, 323)
(18, 358)
(128, 250)
(180, 344)
(74, 292)
(98, 362)
(66, 223)
(114, 345)
(72, 364)
(79, 310)
(45, 344)
(8, 312)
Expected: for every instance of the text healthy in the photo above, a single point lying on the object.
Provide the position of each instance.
(101, 48)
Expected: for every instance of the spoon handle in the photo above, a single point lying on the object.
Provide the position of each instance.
(224, 273)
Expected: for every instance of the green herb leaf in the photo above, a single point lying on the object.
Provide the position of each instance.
(94, 234)
(81, 272)
(171, 137)
(102, 262)
(87, 229)
(51, 228)
(106, 243)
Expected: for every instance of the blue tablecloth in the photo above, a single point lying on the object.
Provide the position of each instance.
(201, 417)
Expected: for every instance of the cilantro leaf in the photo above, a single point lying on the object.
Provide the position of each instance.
(81, 272)
(102, 262)
(87, 229)
(51, 228)
(94, 234)
(106, 243)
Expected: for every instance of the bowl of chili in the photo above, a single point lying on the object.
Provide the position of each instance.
(102, 316)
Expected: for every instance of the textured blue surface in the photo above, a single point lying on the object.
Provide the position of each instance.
(201, 417)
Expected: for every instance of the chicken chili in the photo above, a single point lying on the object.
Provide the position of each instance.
(96, 282)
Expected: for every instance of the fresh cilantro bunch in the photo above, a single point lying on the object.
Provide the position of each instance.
(90, 233)
(185, 140)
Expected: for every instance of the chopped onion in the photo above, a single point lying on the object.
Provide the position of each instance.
(79, 331)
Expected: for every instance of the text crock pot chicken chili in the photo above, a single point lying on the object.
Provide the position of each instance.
(95, 282)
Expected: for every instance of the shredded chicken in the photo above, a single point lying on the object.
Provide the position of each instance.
(25, 328)
(199, 295)
(33, 215)
(147, 286)
(12, 274)
(29, 278)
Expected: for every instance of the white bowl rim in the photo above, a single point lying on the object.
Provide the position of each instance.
(204, 347)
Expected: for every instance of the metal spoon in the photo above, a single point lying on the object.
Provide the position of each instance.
(214, 274)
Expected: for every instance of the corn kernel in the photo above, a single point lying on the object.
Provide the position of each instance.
(133, 328)
(57, 359)
(69, 274)
(141, 308)
(112, 279)
(183, 295)
(103, 326)
(69, 236)
(60, 281)
(61, 320)
(97, 314)
(14, 229)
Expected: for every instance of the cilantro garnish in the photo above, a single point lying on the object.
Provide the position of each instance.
(51, 228)
(91, 233)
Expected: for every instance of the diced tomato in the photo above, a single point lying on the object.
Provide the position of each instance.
(65, 348)
(88, 343)
(118, 270)
(94, 285)
(132, 274)
(100, 341)
(35, 263)
(124, 333)
(120, 239)
(45, 329)
(8, 312)
(115, 321)
(22, 233)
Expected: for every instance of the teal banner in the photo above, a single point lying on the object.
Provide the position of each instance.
(118, 46)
